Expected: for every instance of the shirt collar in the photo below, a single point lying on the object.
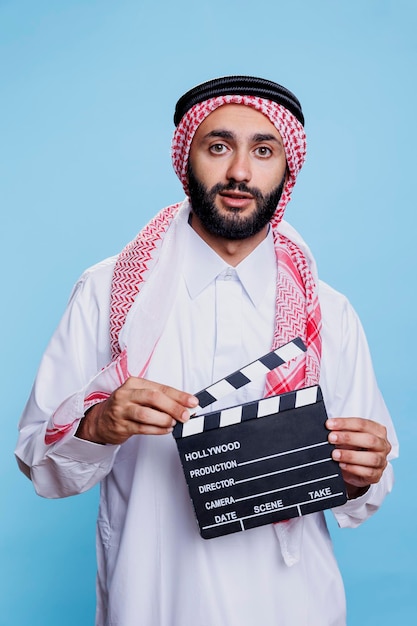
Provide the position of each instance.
(251, 271)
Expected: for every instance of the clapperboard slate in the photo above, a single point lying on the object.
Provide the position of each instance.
(259, 462)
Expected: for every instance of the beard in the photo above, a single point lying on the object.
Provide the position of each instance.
(232, 225)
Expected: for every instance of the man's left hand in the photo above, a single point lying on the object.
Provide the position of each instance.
(361, 450)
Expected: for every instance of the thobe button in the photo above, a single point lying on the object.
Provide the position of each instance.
(229, 273)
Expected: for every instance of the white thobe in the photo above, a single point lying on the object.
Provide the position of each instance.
(154, 569)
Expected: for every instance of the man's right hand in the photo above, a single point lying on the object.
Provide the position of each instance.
(138, 407)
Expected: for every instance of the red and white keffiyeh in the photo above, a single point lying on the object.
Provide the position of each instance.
(297, 307)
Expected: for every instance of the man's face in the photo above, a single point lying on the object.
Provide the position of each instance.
(237, 171)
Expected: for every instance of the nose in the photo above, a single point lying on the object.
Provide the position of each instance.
(239, 167)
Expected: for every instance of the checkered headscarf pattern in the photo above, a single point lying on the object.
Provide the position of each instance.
(290, 129)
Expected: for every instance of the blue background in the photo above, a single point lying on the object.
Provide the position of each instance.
(87, 94)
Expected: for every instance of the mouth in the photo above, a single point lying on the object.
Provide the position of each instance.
(236, 199)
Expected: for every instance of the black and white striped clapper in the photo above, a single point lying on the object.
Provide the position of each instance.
(260, 462)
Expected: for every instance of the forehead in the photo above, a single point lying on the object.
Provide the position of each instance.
(239, 119)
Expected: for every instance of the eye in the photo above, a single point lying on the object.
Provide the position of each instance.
(263, 151)
(218, 148)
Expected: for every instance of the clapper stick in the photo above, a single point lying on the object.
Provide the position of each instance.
(247, 374)
(262, 461)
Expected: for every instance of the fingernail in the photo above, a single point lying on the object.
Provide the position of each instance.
(333, 437)
(336, 454)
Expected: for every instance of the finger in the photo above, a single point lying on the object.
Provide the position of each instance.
(356, 424)
(137, 391)
(366, 460)
(142, 415)
(147, 402)
(181, 398)
(149, 429)
(357, 440)
(136, 420)
(358, 475)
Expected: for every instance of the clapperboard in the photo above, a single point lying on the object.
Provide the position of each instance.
(260, 462)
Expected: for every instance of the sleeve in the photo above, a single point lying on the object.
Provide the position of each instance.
(58, 463)
(350, 390)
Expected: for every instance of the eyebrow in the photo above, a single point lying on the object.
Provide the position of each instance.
(223, 134)
(227, 134)
(265, 137)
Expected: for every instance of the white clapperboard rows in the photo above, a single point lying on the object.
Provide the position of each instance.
(237, 380)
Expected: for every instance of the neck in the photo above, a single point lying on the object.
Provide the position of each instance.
(232, 251)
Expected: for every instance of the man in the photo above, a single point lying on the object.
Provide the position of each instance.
(207, 287)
